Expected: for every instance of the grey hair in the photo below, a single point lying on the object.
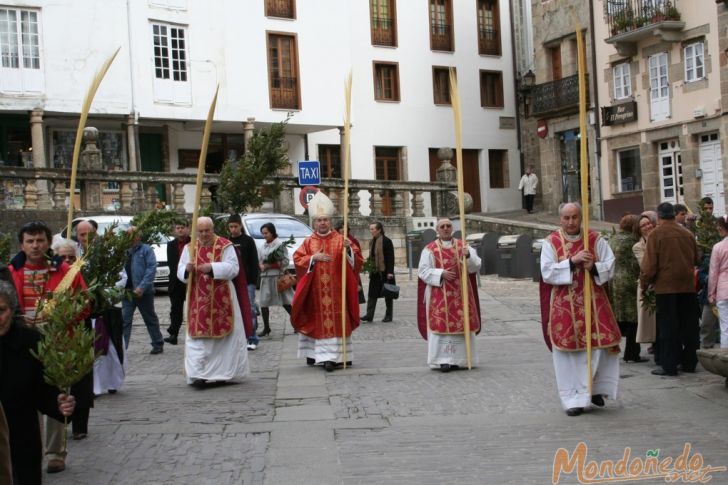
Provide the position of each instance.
(7, 291)
(564, 204)
(65, 243)
(205, 219)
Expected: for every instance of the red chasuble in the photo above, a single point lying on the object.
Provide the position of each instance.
(317, 301)
(445, 315)
(565, 304)
(211, 307)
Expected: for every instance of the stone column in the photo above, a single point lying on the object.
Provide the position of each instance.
(354, 203)
(59, 195)
(125, 196)
(248, 130)
(205, 197)
(375, 202)
(418, 204)
(134, 166)
(447, 173)
(151, 197)
(90, 159)
(179, 198)
(39, 158)
(398, 204)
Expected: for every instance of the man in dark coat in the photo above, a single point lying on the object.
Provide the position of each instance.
(381, 254)
(177, 290)
(248, 252)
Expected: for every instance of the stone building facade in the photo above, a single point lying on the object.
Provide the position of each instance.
(661, 70)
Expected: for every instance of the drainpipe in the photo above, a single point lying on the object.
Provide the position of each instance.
(517, 93)
(597, 129)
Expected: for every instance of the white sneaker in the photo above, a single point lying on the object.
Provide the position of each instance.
(252, 346)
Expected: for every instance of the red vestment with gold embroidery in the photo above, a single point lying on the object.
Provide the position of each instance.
(317, 305)
(210, 308)
(566, 326)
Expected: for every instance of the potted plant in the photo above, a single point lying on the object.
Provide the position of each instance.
(672, 13)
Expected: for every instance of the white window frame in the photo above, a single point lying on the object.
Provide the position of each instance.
(619, 169)
(658, 70)
(669, 157)
(21, 60)
(170, 63)
(170, 4)
(694, 56)
(621, 73)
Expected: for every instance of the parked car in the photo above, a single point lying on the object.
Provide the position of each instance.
(105, 221)
(286, 226)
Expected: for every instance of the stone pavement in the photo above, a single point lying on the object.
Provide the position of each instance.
(388, 419)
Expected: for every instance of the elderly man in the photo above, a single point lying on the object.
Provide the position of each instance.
(669, 264)
(317, 305)
(565, 266)
(440, 302)
(83, 233)
(219, 316)
(141, 266)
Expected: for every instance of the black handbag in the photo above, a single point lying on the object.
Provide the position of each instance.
(390, 290)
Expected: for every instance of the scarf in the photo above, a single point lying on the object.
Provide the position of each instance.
(376, 247)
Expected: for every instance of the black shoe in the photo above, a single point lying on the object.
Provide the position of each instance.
(638, 360)
(266, 331)
(198, 383)
(445, 367)
(387, 319)
(598, 400)
(689, 370)
(365, 319)
(310, 361)
(329, 366)
(112, 391)
(662, 372)
(172, 339)
(156, 350)
(574, 411)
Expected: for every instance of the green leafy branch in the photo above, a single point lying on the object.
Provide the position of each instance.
(649, 301)
(278, 254)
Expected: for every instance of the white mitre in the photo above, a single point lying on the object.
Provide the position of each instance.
(320, 206)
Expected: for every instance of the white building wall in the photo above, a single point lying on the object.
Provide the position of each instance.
(226, 44)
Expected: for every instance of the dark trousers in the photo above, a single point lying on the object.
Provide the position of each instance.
(372, 306)
(678, 331)
(529, 202)
(631, 348)
(176, 311)
(79, 421)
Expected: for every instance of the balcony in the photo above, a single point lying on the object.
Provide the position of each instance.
(284, 93)
(630, 21)
(280, 8)
(489, 42)
(441, 37)
(383, 31)
(558, 96)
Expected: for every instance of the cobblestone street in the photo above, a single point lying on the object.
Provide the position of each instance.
(388, 419)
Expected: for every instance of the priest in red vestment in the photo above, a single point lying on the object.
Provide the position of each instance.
(440, 312)
(565, 264)
(219, 316)
(317, 305)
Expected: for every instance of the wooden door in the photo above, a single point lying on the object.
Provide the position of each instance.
(556, 62)
(471, 174)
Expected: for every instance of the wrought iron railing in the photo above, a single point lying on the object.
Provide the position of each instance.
(626, 15)
(562, 94)
(441, 37)
(489, 42)
(382, 31)
(284, 92)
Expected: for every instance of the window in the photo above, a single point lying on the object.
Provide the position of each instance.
(622, 81)
(170, 64)
(170, 4)
(386, 81)
(491, 89)
(659, 87)
(671, 173)
(330, 158)
(384, 22)
(20, 51)
(285, 9)
(498, 169)
(555, 56)
(387, 167)
(694, 62)
(283, 71)
(441, 85)
(441, 27)
(488, 28)
(629, 172)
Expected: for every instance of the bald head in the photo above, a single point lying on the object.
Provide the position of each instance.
(205, 231)
(444, 229)
(570, 218)
(83, 230)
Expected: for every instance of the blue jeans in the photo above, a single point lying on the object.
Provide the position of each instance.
(145, 304)
(253, 339)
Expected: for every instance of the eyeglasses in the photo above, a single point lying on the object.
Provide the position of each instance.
(445, 226)
(70, 258)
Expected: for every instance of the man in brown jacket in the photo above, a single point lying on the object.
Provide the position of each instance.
(669, 264)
